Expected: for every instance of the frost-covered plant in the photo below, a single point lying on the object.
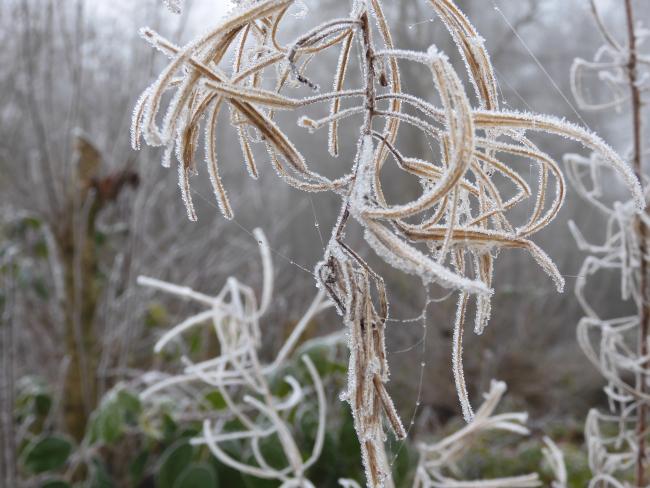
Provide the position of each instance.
(438, 460)
(618, 346)
(240, 377)
(449, 235)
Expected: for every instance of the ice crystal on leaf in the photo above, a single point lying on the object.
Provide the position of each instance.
(174, 5)
(450, 234)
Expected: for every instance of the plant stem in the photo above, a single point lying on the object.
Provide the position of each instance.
(370, 72)
(644, 306)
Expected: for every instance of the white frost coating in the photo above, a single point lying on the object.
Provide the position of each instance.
(414, 262)
(186, 192)
(416, 56)
(347, 483)
(568, 130)
(267, 270)
(211, 159)
(457, 359)
(181, 328)
(555, 459)
(174, 5)
(363, 191)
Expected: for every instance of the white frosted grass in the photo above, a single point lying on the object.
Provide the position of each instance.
(414, 262)
(181, 291)
(186, 193)
(181, 328)
(440, 458)
(348, 483)
(554, 125)
(211, 159)
(240, 376)
(457, 359)
(555, 459)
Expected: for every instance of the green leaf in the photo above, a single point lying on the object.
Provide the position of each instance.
(137, 466)
(119, 407)
(42, 404)
(33, 222)
(47, 454)
(195, 342)
(110, 423)
(129, 405)
(328, 468)
(40, 288)
(33, 398)
(403, 463)
(100, 238)
(169, 426)
(349, 451)
(101, 478)
(174, 461)
(40, 249)
(226, 475)
(197, 476)
(216, 400)
(324, 358)
(253, 482)
(156, 316)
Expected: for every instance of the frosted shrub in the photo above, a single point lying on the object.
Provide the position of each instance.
(240, 377)
(449, 235)
(617, 346)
